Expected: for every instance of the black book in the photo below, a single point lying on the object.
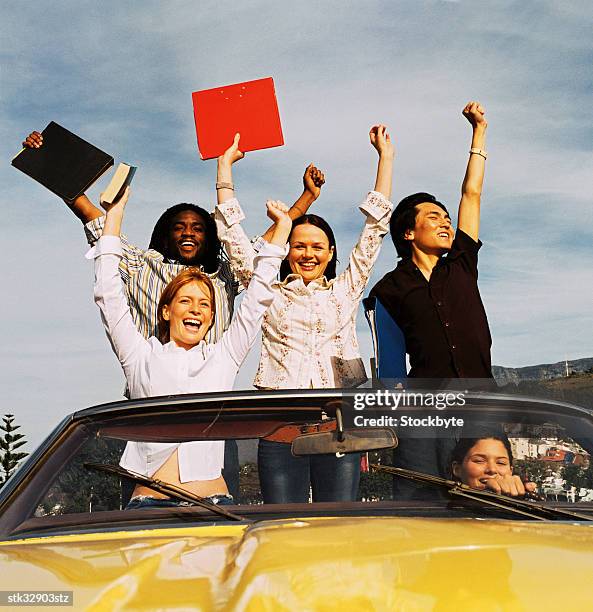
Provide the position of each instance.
(65, 163)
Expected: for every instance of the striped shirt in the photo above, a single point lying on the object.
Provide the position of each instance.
(145, 275)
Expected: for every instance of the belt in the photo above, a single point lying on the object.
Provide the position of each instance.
(288, 433)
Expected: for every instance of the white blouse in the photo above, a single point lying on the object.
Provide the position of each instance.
(309, 332)
(152, 368)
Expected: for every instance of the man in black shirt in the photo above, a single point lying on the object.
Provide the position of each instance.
(433, 296)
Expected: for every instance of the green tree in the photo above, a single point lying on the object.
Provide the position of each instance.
(9, 443)
(77, 489)
(377, 486)
(588, 476)
(531, 469)
(574, 476)
(249, 487)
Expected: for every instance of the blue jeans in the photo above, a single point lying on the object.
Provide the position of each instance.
(230, 471)
(285, 479)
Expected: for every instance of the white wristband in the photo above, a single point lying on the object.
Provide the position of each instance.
(479, 152)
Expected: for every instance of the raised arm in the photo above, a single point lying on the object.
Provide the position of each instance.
(127, 342)
(381, 140)
(228, 216)
(82, 207)
(115, 214)
(313, 180)
(377, 209)
(225, 189)
(279, 213)
(246, 323)
(471, 189)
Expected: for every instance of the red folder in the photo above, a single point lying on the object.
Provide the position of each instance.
(248, 108)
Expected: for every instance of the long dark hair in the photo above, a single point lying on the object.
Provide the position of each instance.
(158, 241)
(323, 225)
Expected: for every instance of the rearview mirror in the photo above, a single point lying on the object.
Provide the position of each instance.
(357, 440)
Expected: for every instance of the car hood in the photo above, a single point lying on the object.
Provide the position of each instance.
(314, 564)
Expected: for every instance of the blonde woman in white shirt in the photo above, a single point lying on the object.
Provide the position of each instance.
(181, 361)
(309, 333)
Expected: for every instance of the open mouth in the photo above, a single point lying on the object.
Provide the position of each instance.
(192, 324)
(444, 235)
(307, 266)
(187, 244)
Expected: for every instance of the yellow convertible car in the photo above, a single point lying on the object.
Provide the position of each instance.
(475, 534)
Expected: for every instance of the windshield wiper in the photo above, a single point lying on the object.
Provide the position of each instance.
(166, 488)
(510, 504)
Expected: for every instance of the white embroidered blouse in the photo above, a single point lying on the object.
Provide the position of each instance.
(152, 368)
(309, 332)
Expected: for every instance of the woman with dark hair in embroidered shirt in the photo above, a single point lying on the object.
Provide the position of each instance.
(309, 333)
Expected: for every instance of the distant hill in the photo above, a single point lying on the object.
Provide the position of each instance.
(550, 380)
(544, 371)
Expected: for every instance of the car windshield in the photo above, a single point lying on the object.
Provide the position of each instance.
(484, 441)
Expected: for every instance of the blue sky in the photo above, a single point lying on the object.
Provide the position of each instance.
(120, 74)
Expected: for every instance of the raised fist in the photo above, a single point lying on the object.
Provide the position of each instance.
(278, 211)
(380, 139)
(474, 113)
(313, 180)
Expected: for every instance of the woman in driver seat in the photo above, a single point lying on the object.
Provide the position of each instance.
(485, 462)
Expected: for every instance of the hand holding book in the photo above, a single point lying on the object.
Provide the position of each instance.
(82, 207)
(119, 203)
(62, 161)
(33, 141)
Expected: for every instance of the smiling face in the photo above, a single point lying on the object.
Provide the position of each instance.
(310, 252)
(189, 314)
(432, 231)
(485, 460)
(186, 240)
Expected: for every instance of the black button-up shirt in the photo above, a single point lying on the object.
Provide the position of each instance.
(443, 320)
